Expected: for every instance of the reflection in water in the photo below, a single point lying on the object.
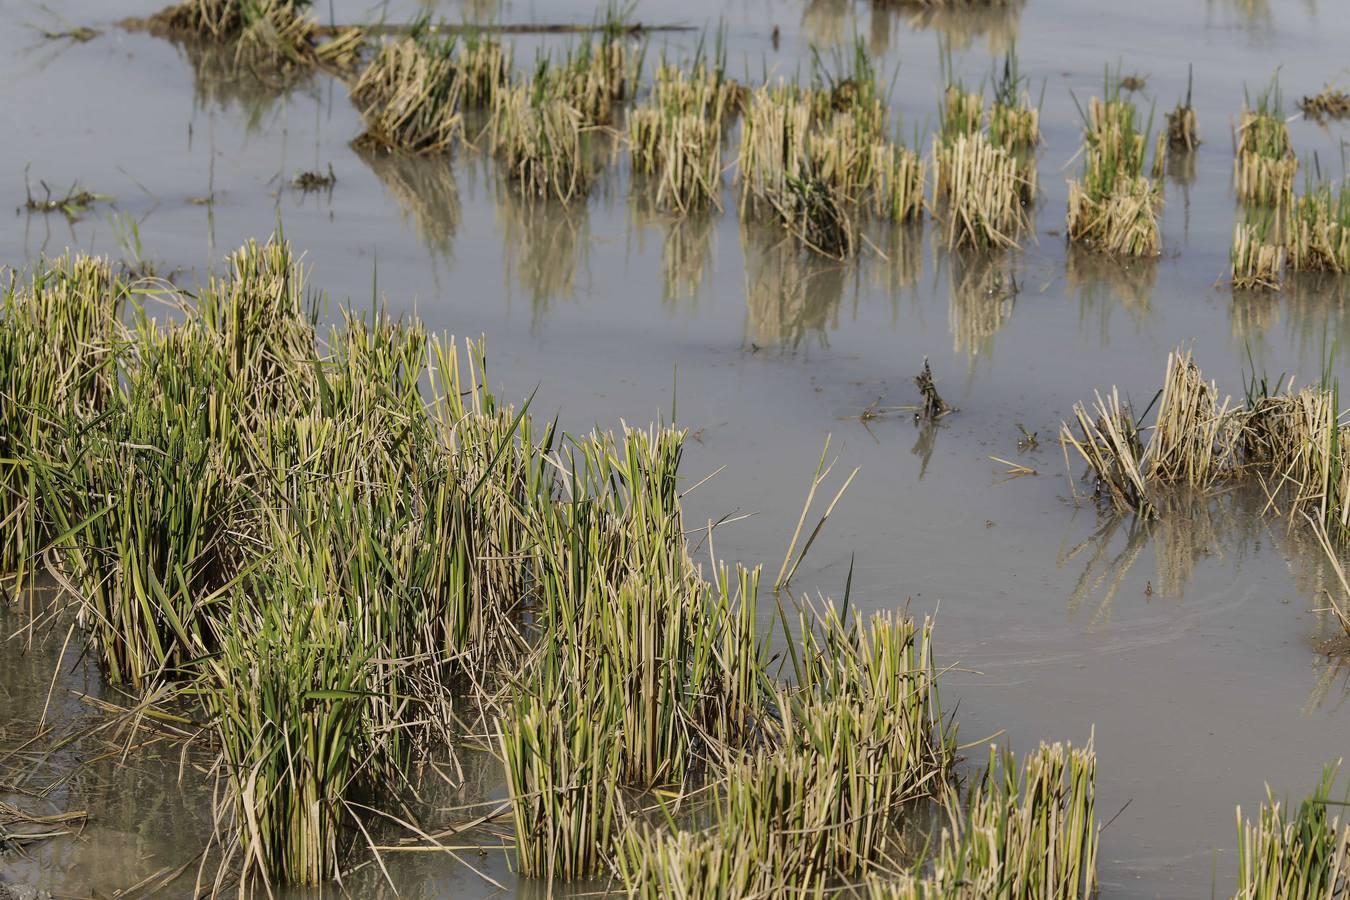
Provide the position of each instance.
(897, 264)
(1181, 174)
(1253, 16)
(688, 244)
(983, 292)
(834, 22)
(1252, 313)
(426, 192)
(828, 22)
(959, 24)
(790, 293)
(924, 444)
(545, 243)
(1318, 307)
(686, 254)
(1190, 529)
(1314, 305)
(222, 81)
(470, 11)
(1331, 690)
(1104, 568)
(1102, 281)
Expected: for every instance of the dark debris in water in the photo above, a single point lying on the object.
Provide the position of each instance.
(315, 181)
(74, 203)
(1331, 103)
(934, 407)
(79, 34)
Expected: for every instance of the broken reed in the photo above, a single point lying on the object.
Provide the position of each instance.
(272, 33)
(1114, 206)
(1306, 854)
(1329, 103)
(1265, 166)
(1292, 440)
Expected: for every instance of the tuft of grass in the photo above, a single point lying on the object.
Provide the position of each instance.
(1319, 230)
(1265, 166)
(1108, 440)
(60, 335)
(1014, 123)
(962, 113)
(1292, 440)
(1114, 206)
(864, 738)
(1306, 854)
(1183, 134)
(542, 144)
(1191, 443)
(983, 186)
(287, 694)
(593, 77)
(1027, 833)
(676, 137)
(819, 159)
(561, 763)
(1258, 254)
(683, 155)
(410, 97)
(414, 94)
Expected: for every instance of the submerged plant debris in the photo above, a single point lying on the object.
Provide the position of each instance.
(75, 202)
(308, 181)
(1330, 103)
(933, 407)
(1183, 134)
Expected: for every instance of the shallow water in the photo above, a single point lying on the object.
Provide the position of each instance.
(1187, 647)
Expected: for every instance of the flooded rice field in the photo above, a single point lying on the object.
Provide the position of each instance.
(1197, 649)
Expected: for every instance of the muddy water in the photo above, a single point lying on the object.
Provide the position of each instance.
(1188, 647)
